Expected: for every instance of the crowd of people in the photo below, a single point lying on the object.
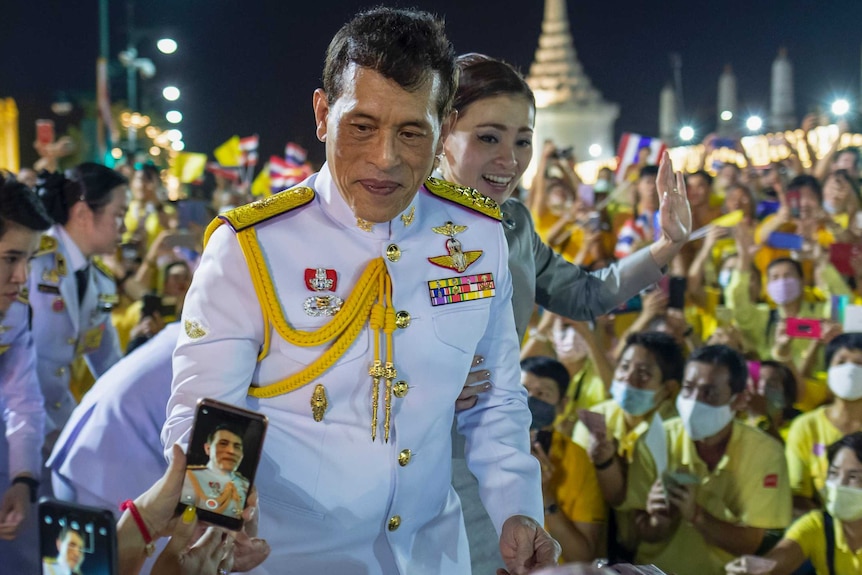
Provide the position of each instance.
(689, 392)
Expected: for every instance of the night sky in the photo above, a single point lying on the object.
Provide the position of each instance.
(251, 66)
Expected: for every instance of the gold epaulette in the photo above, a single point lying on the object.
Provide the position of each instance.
(102, 267)
(269, 207)
(47, 245)
(467, 197)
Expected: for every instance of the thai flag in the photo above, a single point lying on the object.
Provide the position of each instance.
(231, 174)
(283, 175)
(294, 154)
(630, 147)
(248, 147)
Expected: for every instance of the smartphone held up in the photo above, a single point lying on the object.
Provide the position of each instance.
(222, 459)
(76, 539)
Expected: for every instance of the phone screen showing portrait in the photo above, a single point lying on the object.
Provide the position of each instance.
(76, 539)
(222, 459)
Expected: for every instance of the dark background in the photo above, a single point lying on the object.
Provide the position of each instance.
(250, 67)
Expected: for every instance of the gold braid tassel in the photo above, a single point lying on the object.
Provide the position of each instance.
(390, 372)
(376, 370)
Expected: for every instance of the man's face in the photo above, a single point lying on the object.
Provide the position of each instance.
(707, 383)
(543, 388)
(698, 190)
(225, 451)
(647, 192)
(380, 140)
(16, 248)
(637, 368)
(71, 550)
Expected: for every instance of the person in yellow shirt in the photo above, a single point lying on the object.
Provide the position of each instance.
(811, 432)
(726, 482)
(830, 538)
(645, 382)
(574, 511)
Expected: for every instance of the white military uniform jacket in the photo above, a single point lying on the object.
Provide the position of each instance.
(333, 501)
(62, 329)
(21, 429)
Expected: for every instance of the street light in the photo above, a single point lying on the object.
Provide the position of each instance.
(840, 107)
(174, 116)
(686, 133)
(167, 45)
(754, 123)
(178, 146)
(174, 135)
(171, 93)
(595, 151)
(726, 115)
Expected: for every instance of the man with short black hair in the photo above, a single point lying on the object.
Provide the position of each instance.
(349, 314)
(70, 554)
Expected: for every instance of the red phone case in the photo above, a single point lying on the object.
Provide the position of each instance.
(804, 328)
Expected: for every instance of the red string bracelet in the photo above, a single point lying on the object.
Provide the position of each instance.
(149, 546)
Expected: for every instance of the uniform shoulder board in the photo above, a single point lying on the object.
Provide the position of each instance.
(47, 245)
(256, 212)
(196, 467)
(467, 197)
(100, 265)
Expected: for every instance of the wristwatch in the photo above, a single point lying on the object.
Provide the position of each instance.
(33, 484)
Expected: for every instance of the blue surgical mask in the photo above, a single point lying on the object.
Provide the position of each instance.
(543, 413)
(634, 401)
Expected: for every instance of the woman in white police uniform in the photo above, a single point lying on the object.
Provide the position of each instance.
(22, 218)
(71, 292)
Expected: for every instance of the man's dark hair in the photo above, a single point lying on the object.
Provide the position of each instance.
(806, 181)
(737, 369)
(703, 174)
(850, 340)
(225, 427)
(405, 46)
(542, 366)
(64, 532)
(796, 265)
(20, 205)
(850, 441)
(665, 351)
(648, 170)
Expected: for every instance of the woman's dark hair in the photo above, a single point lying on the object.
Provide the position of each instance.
(793, 263)
(90, 183)
(729, 358)
(789, 386)
(665, 351)
(851, 441)
(20, 205)
(403, 45)
(549, 367)
(483, 77)
(851, 340)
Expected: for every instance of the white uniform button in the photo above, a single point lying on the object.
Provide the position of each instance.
(400, 388)
(402, 319)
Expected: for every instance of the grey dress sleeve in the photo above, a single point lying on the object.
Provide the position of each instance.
(569, 290)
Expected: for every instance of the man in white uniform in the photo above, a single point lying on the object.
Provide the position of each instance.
(339, 310)
(218, 486)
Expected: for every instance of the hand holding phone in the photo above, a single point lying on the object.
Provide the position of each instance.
(804, 328)
(222, 459)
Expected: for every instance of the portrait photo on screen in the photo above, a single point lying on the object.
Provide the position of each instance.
(76, 540)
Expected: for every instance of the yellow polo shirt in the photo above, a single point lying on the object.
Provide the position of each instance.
(575, 482)
(748, 487)
(808, 533)
(617, 427)
(809, 436)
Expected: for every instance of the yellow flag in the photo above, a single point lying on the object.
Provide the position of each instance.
(261, 184)
(729, 220)
(842, 220)
(229, 154)
(188, 166)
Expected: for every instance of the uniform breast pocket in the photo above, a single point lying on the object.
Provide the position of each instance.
(462, 327)
(304, 356)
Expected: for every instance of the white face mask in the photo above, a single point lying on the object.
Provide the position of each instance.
(845, 381)
(702, 420)
(843, 502)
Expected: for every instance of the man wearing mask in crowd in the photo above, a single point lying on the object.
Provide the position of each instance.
(574, 511)
(725, 484)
